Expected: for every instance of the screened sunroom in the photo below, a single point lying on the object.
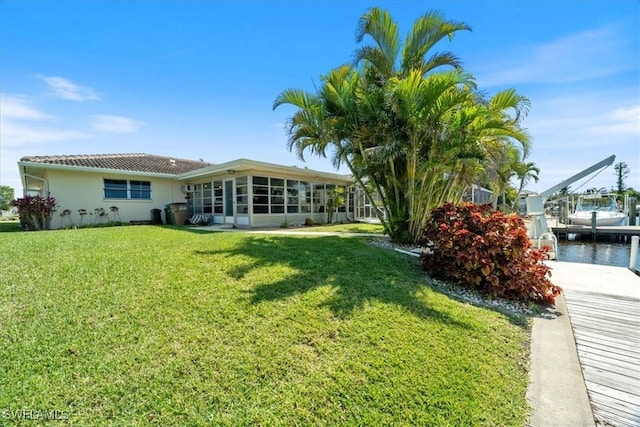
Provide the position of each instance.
(256, 194)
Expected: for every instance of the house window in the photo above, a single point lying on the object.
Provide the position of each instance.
(140, 189)
(196, 199)
(318, 197)
(260, 194)
(207, 199)
(242, 195)
(305, 197)
(124, 189)
(277, 195)
(217, 197)
(293, 191)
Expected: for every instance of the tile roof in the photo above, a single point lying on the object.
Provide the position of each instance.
(136, 162)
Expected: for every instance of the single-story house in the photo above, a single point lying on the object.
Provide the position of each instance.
(245, 193)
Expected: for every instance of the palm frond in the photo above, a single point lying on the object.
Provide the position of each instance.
(296, 97)
(426, 32)
(381, 27)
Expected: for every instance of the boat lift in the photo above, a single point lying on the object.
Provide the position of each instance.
(539, 231)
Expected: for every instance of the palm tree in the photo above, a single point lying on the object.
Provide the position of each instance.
(525, 173)
(414, 134)
(389, 57)
(504, 139)
(329, 120)
(502, 165)
(424, 151)
(391, 132)
(442, 136)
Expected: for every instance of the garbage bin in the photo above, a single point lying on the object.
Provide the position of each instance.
(156, 216)
(169, 215)
(179, 212)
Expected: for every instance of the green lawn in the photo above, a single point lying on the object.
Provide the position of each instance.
(169, 326)
(356, 227)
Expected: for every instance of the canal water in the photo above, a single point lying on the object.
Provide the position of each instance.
(588, 252)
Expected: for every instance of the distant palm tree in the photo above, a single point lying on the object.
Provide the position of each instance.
(525, 173)
(503, 139)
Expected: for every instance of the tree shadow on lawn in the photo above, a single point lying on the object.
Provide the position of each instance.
(357, 273)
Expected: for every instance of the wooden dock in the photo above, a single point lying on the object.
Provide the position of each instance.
(604, 309)
(618, 232)
(607, 333)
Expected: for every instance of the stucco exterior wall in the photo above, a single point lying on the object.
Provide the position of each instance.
(82, 190)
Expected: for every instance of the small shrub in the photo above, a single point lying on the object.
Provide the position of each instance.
(116, 213)
(82, 213)
(284, 224)
(66, 214)
(308, 222)
(488, 252)
(100, 215)
(35, 212)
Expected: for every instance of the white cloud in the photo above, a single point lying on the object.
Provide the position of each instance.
(590, 119)
(15, 110)
(65, 89)
(15, 134)
(576, 57)
(115, 124)
(621, 121)
(18, 107)
(573, 130)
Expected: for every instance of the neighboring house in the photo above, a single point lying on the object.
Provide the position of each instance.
(477, 194)
(242, 192)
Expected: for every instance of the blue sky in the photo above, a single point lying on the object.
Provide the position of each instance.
(197, 79)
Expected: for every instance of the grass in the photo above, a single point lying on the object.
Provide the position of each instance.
(357, 227)
(170, 326)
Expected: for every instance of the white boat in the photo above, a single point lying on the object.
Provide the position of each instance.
(603, 205)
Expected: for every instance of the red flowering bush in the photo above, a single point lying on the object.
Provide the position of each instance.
(35, 211)
(486, 251)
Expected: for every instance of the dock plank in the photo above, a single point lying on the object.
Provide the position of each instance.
(619, 308)
(611, 379)
(607, 334)
(607, 417)
(604, 353)
(613, 410)
(621, 327)
(608, 316)
(619, 395)
(611, 364)
(614, 303)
